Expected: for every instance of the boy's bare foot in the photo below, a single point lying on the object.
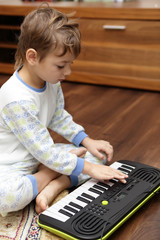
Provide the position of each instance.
(44, 176)
(51, 183)
(49, 193)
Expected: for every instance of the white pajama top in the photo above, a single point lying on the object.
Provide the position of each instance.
(25, 115)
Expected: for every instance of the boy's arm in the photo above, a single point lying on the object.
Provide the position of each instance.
(62, 122)
(21, 119)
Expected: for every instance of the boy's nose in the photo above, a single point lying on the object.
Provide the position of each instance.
(68, 71)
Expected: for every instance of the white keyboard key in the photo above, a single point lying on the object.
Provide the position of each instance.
(59, 216)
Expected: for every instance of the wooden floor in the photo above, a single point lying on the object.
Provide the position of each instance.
(130, 121)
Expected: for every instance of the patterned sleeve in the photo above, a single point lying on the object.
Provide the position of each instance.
(62, 122)
(20, 117)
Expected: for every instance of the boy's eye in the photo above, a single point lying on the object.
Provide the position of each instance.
(60, 66)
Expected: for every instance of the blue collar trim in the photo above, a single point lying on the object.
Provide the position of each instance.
(32, 88)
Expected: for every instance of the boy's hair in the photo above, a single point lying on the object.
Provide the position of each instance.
(44, 30)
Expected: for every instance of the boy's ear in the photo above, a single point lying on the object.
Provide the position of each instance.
(31, 56)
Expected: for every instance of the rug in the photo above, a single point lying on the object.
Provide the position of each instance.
(22, 225)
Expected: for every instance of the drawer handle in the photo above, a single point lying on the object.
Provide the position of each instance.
(114, 27)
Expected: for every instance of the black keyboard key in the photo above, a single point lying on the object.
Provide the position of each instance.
(75, 205)
(88, 196)
(95, 191)
(83, 199)
(103, 185)
(99, 188)
(70, 209)
(128, 167)
(113, 180)
(65, 213)
(124, 170)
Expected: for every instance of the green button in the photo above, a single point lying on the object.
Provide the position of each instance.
(104, 202)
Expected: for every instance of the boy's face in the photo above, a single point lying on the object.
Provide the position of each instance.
(53, 68)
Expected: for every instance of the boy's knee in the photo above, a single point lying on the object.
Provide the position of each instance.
(15, 195)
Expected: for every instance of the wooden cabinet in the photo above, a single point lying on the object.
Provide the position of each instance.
(120, 41)
(9, 32)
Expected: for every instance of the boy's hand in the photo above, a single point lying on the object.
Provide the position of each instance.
(98, 148)
(102, 172)
(80, 152)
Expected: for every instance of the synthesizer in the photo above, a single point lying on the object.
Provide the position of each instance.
(95, 210)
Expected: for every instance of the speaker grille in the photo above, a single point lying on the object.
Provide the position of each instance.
(147, 174)
(88, 225)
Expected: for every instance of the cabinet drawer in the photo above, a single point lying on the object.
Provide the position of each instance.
(121, 42)
(120, 31)
(120, 53)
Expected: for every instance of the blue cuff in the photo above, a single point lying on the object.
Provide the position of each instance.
(79, 167)
(34, 184)
(79, 138)
(74, 181)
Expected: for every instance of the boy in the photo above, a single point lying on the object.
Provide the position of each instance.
(31, 101)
